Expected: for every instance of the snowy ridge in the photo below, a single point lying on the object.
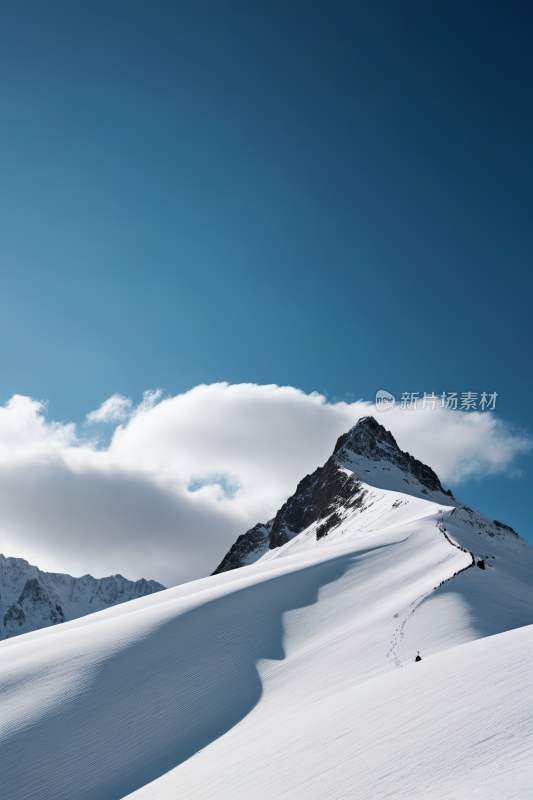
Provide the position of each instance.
(332, 491)
(294, 676)
(31, 599)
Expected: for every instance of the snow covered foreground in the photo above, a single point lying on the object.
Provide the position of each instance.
(294, 677)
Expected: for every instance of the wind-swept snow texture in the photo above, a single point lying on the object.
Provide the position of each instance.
(294, 676)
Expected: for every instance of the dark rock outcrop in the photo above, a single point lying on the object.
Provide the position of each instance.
(15, 614)
(370, 439)
(507, 528)
(33, 595)
(328, 492)
(317, 496)
(254, 541)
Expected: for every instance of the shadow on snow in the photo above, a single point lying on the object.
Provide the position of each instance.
(160, 700)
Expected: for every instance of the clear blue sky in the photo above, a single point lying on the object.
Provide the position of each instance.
(331, 195)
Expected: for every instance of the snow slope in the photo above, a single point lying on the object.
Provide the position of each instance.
(294, 677)
(32, 599)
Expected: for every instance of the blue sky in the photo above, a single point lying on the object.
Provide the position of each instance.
(334, 196)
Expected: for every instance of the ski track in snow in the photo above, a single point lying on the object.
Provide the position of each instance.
(398, 635)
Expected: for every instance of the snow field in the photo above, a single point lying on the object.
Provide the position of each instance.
(456, 725)
(292, 677)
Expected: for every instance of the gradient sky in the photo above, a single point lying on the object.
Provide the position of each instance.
(335, 196)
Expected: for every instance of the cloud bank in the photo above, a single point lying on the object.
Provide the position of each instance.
(182, 477)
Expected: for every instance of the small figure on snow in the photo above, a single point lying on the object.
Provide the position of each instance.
(418, 656)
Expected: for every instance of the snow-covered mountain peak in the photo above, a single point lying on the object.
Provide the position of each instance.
(31, 599)
(369, 446)
(366, 475)
(366, 436)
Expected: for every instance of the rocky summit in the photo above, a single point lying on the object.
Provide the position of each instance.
(327, 494)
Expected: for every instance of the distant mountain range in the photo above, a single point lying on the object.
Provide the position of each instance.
(31, 599)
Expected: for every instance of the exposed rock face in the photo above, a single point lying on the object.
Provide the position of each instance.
(248, 548)
(370, 439)
(317, 496)
(501, 525)
(31, 599)
(328, 492)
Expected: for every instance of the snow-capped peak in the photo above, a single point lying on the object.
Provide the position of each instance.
(367, 467)
(369, 447)
(31, 599)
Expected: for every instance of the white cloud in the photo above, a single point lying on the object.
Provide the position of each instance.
(114, 409)
(68, 506)
(150, 398)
